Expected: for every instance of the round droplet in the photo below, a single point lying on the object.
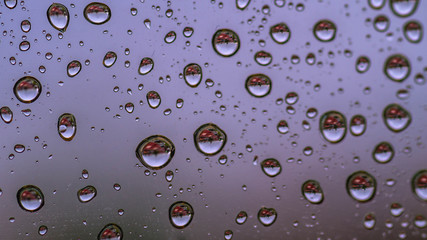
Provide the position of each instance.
(97, 13)
(179, 103)
(333, 126)
(420, 221)
(376, 4)
(311, 113)
(85, 174)
(271, 167)
(228, 234)
(396, 118)
(419, 184)
(209, 139)
(86, 194)
(193, 74)
(242, 4)
(73, 68)
(381, 23)
(258, 85)
(413, 31)
(170, 37)
(169, 175)
(25, 26)
(263, 58)
(291, 98)
(267, 216)
(109, 59)
(24, 46)
(181, 214)
(19, 148)
(6, 114)
(155, 152)
(396, 209)
(357, 125)
(403, 8)
(361, 186)
(58, 16)
(369, 221)
(397, 68)
(280, 33)
(310, 59)
(282, 127)
(188, 32)
(362, 64)
(67, 126)
(30, 198)
(225, 42)
(383, 152)
(146, 65)
(241, 217)
(27, 89)
(111, 232)
(11, 4)
(129, 107)
(153, 99)
(312, 191)
(324, 31)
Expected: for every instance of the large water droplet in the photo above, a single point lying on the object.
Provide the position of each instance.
(67, 126)
(362, 64)
(193, 74)
(242, 4)
(109, 59)
(11, 4)
(58, 16)
(419, 184)
(312, 191)
(225, 42)
(97, 13)
(6, 114)
(271, 167)
(357, 125)
(361, 186)
(30, 198)
(403, 8)
(155, 152)
(263, 58)
(369, 221)
(383, 152)
(73, 68)
(258, 85)
(396, 118)
(146, 65)
(181, 214)
(396, 209)
(397, 68)
(241, 217)
(324, 31)
(209, 139)
(111, 232)
(333, 126)
(27, 89)
(267, 216)
(413, 31)
(153, 99)
(280, 33)
(86, 194)
(381, 23)
(376, 4)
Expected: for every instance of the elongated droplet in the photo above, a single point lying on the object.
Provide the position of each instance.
(155, 152)
(383, 152)
(396, 118)
(397, 68)
(97, 13)
(30, 198)
(181, 214)
(419, 184)
(6, 114)
(193, 74)
(333, 126)
(67, 126)
(312, 191)
(27, 89)
(146, 65)
(170, 37)
(242, 4)
(58, 16)
(403, 8)
(209, 139)
(369, 221)
(153, 99)
(258, 85)
(413, 31)
(226, 42)
(111, 232)
(109, 59)
(241, 217)
(357, 125)
(280, 33)
(325, 30)
(267, 216)
(271, 167)
(73, 68)
(86, 194)
(361, 186)
(362, 64)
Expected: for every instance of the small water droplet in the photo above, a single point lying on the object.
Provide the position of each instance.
(146, 65)
(263, 58)
(362, 64)
(403, 8)
(225, 42)
(396, 118)
(267, 216)
(258, 85)
(209, 139)
(397, 68)
(27, 89)
(241, 217)
(280, 33)
(67, 126)
(333, 126)
(111, 232)
(6, 114)
(361, 186)
(85, 174)
(181, 214)
(153, 99)
(86, 194)
(413, 31)
(369, 221)
(42, 230)
(170, 37)
(129, 107)
(193, 74)
(155, 152)
(291, 98)
(242, 4)
(282, 127)
(58, 16)
(324, 30)
(419, 184)
(109, 59)
(73, 68)
(97, 13)
(24, 46)
(383, 153)
(396, 209)
(179, 103)
(420, 221)
(381, 23)
(228, 234)
(25, 26)
(169, 175)
(147, 23)
(357, 125)
(30, 198)
(11, 4)
(271, 167)
(19, 148)
(188, 32)
(312, 191)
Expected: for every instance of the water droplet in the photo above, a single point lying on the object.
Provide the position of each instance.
(109, 59)
(170, 37)
(73, 68)
(129, 107)
(396, 209)
(133, 11)
(169, 175)
(146, 65)
(30, 198)
(420, 221)
(155, 152)
(397, 68)
(85, 174)
(6, 114)
(333, 126)
(111, 232)
(24, 46)
(147, 23)
(67, 126)
(193, 74)
(242, 4)
(291, 98)
(263, 58)
(117, 187)
(209, 139)
(258, 85)
(381, 23)
(413, 31)
(267, 216)
(310, 59)
(153, 99)
(376, 4)
(357, 125)
(311, 113)
(27, 89)
(383, 152)
(361, 186)
(324, 31)
(58, 16)
(86, 194)
(42, 230)
(279, 3)
(241, 217)
(225, 42)
(271, 167)
(181, 214)
(228, 234)
(369, 221)
(282, 127)
(280, 33)
(312, 191)
(403, 8)
(188, 32)
(97, 13)
(179, 103)
(362, 64)
(396, 118)
(11, 4)
(25, 26)
(19, 148)
(419, 184)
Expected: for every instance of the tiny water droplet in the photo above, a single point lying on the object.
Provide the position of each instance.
(312, 191)
(258, 85)
(225, 42)
(97, 13)
(169, 175)
(267, 216)
(25, 26)
(147, 23)
(228, 234)
(67, 126)
(271, 167)
(179, 103)
(30, 198)
(333, 126)
(73, 68)
(85, 174)
(19, 148)
(86, 194)
(420, 221)
(27, 89)
(181, 214)
(155, 152)
(291, 98)
(361, 186)
(324, 30)
(193, 74)
(209, 139)
(111, 232)
(24, 46)
(396, 118)
(58, 16)
(188, 32)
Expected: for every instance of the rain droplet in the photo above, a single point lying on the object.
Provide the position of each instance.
(30, 198)
(381, 23)
(170, 37)
(147, 23)
(85, 174)
(193, 74)
(19, 148)
(97, 13)
(361, 186)
(11, 4)
(179, 103)
(311, 113)
(396, 118)
(376, 4)
(362, 64)
(420, 221)
(225, 42)
(357, 125)
(209, 139)
(25, 26)
(73, 68)
(280, 33)
(291, 98)
(241, 217)
(109, 59)
(42, 230)
(263, 58)
(369, 221)
(242, 4)
(397, 68)
(86, 194)
(419, 184)
(403, 8)
(324, 31)
(146, 65)
(396, 209)
(6, 114)
(333, 126)
(282, 127)
(258, 85)
(153, 99)
(181, 214)
(24, 46)
(267, 216)
(188, 32)
(413, 31)
(67, 126)
(155, 152)
(169, 175)
(312, 191)
(129, 107)
(383, 153)
(27, 89)
(310, 59)
(271, 167)
(58, 16)
(111, 232)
